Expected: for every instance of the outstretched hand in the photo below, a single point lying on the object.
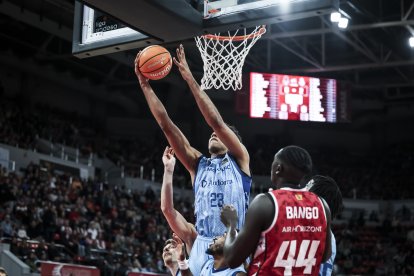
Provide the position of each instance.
(228, 216)
(182, 64)
(168, 159)
(179, 248)
(143, 81)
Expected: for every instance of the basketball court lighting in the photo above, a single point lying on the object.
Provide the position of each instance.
(411, 41)
(343, 23)
(335, 17)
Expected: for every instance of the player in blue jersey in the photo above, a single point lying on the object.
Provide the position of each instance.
(181, 227)
(326, 188)
(215, 266)
(218, 179)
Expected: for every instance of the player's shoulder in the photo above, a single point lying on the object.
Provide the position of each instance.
(263, 199)
(262, 208)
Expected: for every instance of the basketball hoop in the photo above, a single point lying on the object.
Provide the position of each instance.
(223, 57)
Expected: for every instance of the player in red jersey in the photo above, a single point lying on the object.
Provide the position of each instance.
(286, 229)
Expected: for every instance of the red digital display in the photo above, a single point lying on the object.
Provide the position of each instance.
(287, 97)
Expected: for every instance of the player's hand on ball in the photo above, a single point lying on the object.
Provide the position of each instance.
(182, 64)
(228, 216)
(168, 159)
(142, 80)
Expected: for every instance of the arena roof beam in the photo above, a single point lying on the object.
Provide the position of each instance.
(364, 47)
(357, 47)
(299, 45)
(410, 29)
(407, 14)
(305, 58)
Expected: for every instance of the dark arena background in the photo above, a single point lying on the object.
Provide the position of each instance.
(80, 152)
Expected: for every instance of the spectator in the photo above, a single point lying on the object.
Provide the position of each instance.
(7, 227)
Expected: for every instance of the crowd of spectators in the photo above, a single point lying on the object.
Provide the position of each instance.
(58, 217)
(368, 175)
(46, 216)
(21, 126)
(374, 247)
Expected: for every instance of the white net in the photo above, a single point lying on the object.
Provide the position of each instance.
(223, 57)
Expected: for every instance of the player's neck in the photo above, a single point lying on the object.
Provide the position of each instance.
(218, 155)
(219, 262)
(288, 184)
(173, 269)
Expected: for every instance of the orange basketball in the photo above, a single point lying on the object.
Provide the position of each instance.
(155, 62)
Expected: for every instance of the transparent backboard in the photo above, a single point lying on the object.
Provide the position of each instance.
(215, 8)
(97, 33)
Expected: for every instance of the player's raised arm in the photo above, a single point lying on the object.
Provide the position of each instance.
(212, 115)
(259, 217)
(179, 225)
(184, 151)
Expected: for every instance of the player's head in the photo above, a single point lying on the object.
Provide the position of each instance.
(290, 167)
(326, 188)
(3, 272)
(216, 146)
(168, 254)
(217, 246)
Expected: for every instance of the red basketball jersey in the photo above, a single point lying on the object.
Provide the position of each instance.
(295, 242)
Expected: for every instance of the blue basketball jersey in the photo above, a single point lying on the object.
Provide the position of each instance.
(198, 256)
(219, 181)
(326, 268)
(208, 270)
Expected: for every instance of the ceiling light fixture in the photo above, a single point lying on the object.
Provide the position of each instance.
(343, 23)
(335, 17)
(411, 41)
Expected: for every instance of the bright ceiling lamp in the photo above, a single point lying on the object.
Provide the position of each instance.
(411, 42)
(335, 17)
(343, 23)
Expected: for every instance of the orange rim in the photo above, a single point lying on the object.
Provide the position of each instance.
(261, 31)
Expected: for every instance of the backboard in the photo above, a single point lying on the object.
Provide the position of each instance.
(96, 33)
(105, 26)
(222, 15)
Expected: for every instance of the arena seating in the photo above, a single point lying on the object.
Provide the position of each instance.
(58, 217)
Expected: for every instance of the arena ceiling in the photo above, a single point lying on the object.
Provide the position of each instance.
(372, 53)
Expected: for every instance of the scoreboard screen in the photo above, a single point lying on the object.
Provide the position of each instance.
(298, 98)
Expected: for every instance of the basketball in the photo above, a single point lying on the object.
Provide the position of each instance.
(155, 62)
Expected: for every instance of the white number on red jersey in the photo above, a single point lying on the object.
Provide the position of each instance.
(301, 261)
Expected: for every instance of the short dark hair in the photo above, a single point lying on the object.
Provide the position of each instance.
(234, 129)
(326, 188)
(296, 157)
